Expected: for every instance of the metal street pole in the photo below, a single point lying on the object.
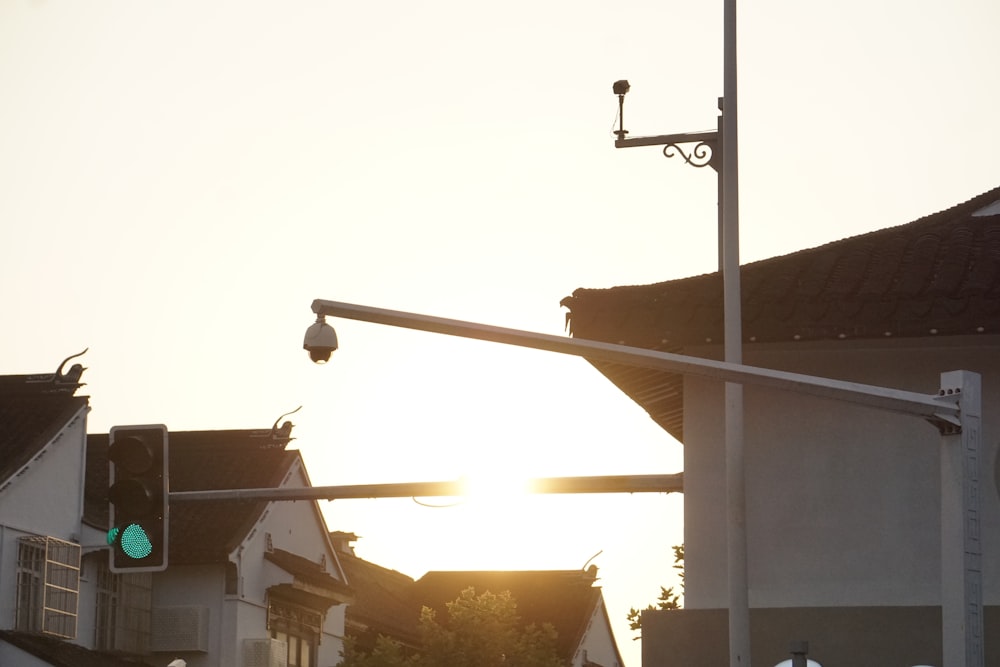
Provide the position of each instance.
(736, 533)
(955, 411)
(710, 145)
(961, 526)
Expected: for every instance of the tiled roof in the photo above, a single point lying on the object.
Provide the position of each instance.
(389, 603)
(33, 408)
(384, 602)
(936, 276)
(204, 531)
(564, 598)
(59, 653)
(310, 573)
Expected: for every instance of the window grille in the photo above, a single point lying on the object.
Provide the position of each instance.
(48, 586)
(124, 610)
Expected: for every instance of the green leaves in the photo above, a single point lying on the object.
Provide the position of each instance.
(668, 598)
(481, 630)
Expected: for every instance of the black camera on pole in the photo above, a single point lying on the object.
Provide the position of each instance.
(138, 496)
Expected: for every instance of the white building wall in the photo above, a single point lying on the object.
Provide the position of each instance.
(296, 527)
(843, 502)
(46, 499)
(86, 628)
(193, 586)
(242, 620)
(292, 526)
(597, 644)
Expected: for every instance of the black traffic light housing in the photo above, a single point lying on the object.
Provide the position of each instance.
(138, 495)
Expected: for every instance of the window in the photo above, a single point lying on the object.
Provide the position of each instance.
(298, 627)
(124, 610)
(232, 585)
(48, 586)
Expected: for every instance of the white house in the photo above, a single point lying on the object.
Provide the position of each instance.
(843, 502)
(249, 584)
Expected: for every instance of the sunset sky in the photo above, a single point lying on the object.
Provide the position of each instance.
(181, 179)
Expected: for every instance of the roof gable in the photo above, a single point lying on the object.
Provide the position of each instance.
(33, 409)
(936, 276)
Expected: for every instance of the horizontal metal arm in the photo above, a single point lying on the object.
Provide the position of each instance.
(673, 483)
(935, 407)
(665, 139)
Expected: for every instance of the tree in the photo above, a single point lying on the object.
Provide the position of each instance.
(668, 598)
(387, 653)
(483, 631)
(480, 631)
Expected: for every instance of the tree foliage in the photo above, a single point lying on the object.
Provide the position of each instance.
(386, 653)
(480, 631)
(668, 598)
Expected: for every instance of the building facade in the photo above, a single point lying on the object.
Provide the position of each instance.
(249, 584)
(843, 512)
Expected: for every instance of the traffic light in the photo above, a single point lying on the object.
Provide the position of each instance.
(138, 498)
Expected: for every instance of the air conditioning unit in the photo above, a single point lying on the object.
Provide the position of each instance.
(179, 629)
(265, 653)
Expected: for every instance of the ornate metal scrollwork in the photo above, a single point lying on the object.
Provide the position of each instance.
(700, 156)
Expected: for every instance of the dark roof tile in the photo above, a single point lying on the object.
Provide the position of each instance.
(384, 602)
(307, 571)
(939, 275)
(388, 602)
(59, 653)
(33, 409)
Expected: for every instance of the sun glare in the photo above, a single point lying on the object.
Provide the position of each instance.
(494, 485)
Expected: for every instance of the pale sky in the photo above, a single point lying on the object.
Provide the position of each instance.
(181, 179)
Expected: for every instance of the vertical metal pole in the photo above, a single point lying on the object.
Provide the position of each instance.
(720, 150)
(736, 532)
(961, 549)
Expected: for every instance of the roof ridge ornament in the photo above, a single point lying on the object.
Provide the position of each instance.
(61, 380)
(284, 432)
(75, 371)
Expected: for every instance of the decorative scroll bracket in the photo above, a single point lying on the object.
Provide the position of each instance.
(705, 152)
(702, 155)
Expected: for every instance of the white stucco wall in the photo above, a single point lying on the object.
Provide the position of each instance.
(297, 527)
(45, 499)
(194, 586)
(843, 502)
(598, 643)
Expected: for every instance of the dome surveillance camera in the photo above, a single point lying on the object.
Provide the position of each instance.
(320, 341)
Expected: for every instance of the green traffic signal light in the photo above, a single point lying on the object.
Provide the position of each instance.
(133, 540)
(138, 498)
